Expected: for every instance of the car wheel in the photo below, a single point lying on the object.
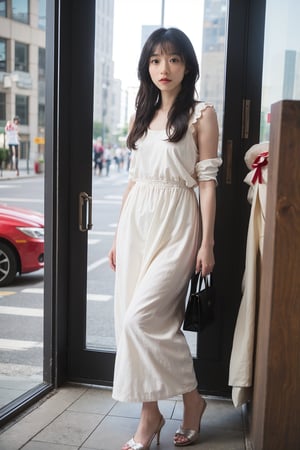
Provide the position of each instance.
(8, 264)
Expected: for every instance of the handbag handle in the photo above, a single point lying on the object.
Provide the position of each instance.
(195, 279)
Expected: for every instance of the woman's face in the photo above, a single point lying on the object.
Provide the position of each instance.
(166, 69)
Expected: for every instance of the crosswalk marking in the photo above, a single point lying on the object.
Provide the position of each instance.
(18, 311)
(113, 197)
(101, 233)
(33, 291)
(14, 344)
(107, 202)
(98, 297)
(92, 241)
(38, 312)
(21, 200)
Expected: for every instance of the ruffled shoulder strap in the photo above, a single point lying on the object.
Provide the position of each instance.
(201, 106)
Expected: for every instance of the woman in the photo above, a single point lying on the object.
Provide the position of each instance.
(174, 142)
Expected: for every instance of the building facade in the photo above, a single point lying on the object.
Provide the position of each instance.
(22, 73)
(213, 55)
(107, 90)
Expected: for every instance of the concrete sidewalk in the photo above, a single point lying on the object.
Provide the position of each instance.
(25, 170)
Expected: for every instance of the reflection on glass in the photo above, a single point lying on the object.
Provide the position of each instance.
(42, 14)
(3, 8)
(115, 89)
(20, 10)
(3, 56)
(22, 86)
(21, 56)
(281, 69)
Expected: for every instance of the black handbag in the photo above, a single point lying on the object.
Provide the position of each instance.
(200, 309)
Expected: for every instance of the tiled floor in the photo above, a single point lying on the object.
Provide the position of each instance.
(85, 417)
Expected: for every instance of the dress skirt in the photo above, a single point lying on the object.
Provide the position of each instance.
(157, 243)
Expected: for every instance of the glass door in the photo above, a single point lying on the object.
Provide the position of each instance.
(114, 90)
(281, 50)
(103, 90)
(22, 138)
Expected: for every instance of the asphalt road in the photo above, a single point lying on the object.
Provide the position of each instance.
(21, 303)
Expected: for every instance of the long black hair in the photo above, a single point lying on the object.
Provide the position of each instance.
(148, 99)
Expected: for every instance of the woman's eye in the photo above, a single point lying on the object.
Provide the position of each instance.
(174, 60)
(154, 61)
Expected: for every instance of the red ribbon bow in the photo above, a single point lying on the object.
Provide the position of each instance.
(260, 161)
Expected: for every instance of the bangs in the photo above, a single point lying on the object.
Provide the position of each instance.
(166, 47)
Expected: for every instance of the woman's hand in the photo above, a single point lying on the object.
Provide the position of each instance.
(112, 257)
(205, 260)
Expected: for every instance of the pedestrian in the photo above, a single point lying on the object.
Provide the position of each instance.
(107, 158)
(163, 236)
(98, 156)
(118, 156)
(12, 140)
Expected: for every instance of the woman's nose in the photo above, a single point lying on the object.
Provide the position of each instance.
(164, 67)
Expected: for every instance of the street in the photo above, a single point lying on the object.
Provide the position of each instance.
(21, 303)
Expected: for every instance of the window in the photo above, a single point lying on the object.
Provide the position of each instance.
(42, 14)
(2, 55)
(2, 107)
(22, 108)
(284, 82)
(41, 117)
(20, 10)
(2, 8)
(42, 63)
(21, 56)
(41, 92)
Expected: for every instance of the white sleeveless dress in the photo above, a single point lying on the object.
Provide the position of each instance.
(157, 243)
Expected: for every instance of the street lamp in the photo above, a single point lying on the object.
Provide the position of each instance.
(162, 21)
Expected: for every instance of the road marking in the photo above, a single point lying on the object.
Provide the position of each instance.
(33, 291)
(92, 241)
(107, 202)
(98, 297)
(113, 197)
(101, 233)
(90, 297)
(96, 264)
(18, 311)
(5, 293)
(14, 344)
(21, 200)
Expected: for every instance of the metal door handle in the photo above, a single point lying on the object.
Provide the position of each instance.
(85, 212)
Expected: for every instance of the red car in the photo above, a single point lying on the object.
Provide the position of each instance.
(21, 242)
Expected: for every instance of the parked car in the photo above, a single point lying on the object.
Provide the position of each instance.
(21, 242)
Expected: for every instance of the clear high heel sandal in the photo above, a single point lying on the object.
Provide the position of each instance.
(132, 445)
(190, 436)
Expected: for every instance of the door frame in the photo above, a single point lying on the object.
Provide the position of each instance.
(243, 81)
(69, 117)
(84, 365)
